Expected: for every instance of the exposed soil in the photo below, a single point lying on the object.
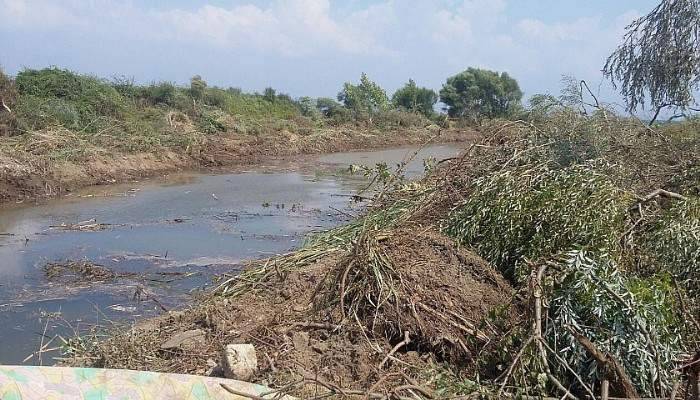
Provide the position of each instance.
(25, 176)
(444, 298)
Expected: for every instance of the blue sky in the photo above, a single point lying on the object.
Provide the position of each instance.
(310, 47)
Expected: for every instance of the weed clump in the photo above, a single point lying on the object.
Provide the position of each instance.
(56, 96)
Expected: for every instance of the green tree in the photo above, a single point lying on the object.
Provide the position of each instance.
(270, 94)
(197, 87)
(308, 108)
(659, 58)
(365, 98)
(327, 106)
(477, 93)
(414, 98)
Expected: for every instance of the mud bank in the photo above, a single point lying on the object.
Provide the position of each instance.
(27, 174)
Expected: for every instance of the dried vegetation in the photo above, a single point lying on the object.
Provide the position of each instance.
(557, 254)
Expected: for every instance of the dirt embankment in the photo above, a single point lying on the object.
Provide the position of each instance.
(26, 173)
(380, 319)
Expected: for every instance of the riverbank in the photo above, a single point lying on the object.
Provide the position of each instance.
(49, 163)
(168, 235)
(503, 274)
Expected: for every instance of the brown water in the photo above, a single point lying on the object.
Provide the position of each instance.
(174, 234)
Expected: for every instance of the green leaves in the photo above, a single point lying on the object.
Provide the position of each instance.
(66, 98)
(415, 99)
(658, 59)
(367, 97)
(530, 212)
(477, 93)
(673, 243)
(628, 318)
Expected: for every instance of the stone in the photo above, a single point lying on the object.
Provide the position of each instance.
(239, 361)
(188, 340)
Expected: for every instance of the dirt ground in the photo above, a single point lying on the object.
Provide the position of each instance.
(311, 342)
(29, 175)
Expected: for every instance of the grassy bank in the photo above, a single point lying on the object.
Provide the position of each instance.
(559, 252)
(66, 130)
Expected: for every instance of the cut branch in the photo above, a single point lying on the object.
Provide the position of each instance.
(5, 106)
(659, 193)
(613, 370)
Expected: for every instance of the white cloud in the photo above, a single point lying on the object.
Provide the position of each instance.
(44, 14)
(581, 29)
(294, 27)
(392, 39)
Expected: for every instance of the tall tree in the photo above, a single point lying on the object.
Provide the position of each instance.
(477, 93)
(414, 98)
(659, 59)
(367, 97)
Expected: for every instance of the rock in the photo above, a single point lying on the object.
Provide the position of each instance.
(188, 340)
(239, 361)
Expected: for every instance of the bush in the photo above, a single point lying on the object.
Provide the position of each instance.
(75, 101)
(400, 119)
(216, 97)
(209, 122)
(91, 95)
(159, 93)
(364, 99)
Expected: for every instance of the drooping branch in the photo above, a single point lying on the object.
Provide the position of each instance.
(659, 58)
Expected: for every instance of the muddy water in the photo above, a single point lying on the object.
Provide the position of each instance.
(167, 237)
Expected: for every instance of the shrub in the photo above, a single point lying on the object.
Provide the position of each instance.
(159, 93)
(56, 96)
(400, 119)
(209, 122)
(216, 97)
(308, 108)
(37, 113)
(197, 87)
(270, 94)
(92, 96)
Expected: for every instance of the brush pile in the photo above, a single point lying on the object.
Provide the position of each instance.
(555, 255)
(83, 271)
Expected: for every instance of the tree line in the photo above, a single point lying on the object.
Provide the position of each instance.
(35, 99)
(472, 94)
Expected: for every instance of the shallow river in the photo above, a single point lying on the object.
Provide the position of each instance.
(166, 237)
